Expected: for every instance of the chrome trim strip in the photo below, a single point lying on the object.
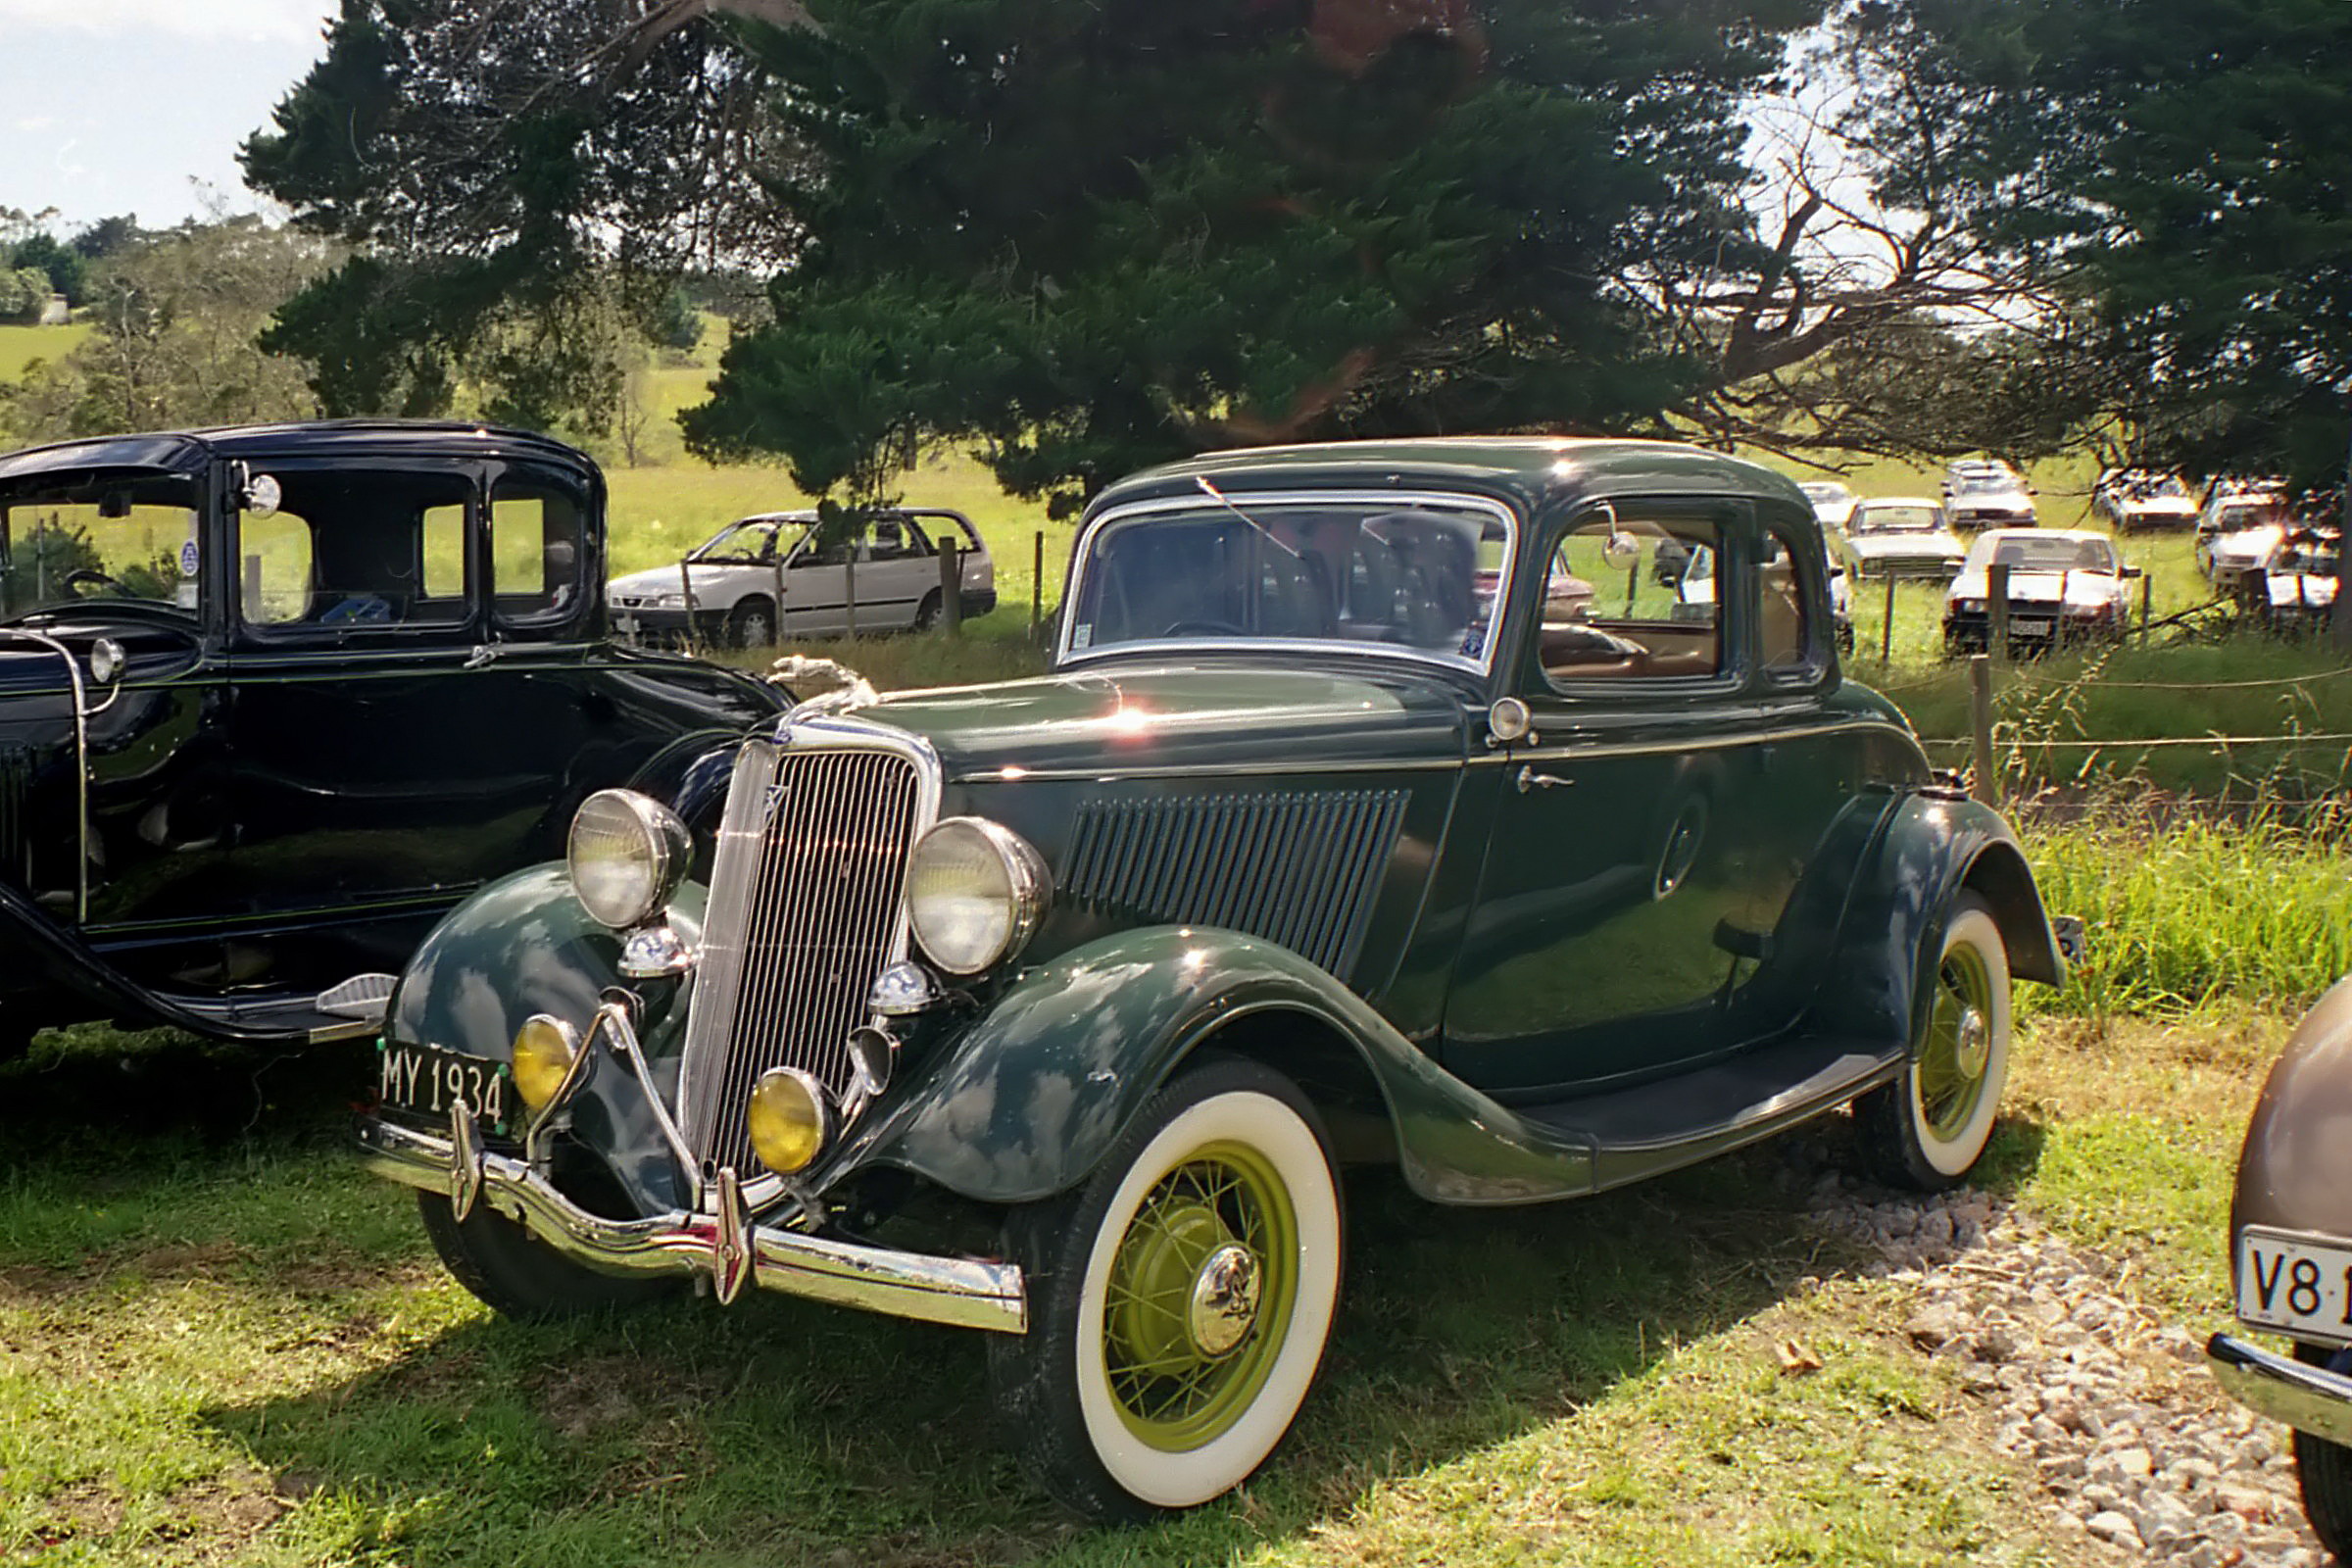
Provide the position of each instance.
(81, 764)
(2308, 1399)
(962, 1293)
(1258, 502)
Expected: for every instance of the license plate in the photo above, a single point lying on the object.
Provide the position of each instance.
(425, 1078)
(2296, 1284)
(2030, 628)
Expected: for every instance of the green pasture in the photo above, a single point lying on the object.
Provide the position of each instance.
(20, 346)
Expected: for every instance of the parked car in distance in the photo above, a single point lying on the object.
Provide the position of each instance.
(2290, 1262)
(2239, 535)
(2298, 589)
(2065, 586)
(1962, 469)
(1304, 853)
(1899, 536)
(1989, 500)
(1694, 586)
(274, 699)
(1833, 501)
(888, 558)
(2136, 500)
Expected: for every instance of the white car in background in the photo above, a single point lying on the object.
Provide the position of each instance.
(1899, 536)
(2065, 585)
(1989, 500)
(1832, 502)
(889, 561)
(2132, 500)
(1694, 586)
(2239, 534)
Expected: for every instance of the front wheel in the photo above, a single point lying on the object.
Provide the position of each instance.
(752, 625)
(1927, 1129)
(1180, 1298)
(2324, 1469)
(519, 1277)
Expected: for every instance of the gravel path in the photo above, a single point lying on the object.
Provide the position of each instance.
(2110, 1403)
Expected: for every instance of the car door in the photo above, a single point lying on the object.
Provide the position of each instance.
(1596, 949)
(382, 762)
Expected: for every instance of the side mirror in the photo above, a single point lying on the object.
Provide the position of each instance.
(106, 661)
(1621, 549)
(261, 494)
(2135, 572)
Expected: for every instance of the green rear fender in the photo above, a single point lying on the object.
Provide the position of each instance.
(1026, 1100)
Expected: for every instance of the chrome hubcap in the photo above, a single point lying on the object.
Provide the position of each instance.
(1973, 1048)
(1224, 1300)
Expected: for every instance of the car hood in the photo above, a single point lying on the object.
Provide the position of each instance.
(2167, 506)
(1207, 716)
(664, 580)
(2081, 590)
(1938, 545)
(2000, 501)
(2250, 544)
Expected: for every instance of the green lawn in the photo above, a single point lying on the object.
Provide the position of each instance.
(20, 346)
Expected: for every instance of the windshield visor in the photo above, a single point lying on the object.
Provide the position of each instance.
(1415, 575)
(103, 534)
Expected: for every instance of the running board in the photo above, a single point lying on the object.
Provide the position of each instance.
(1654, 1127)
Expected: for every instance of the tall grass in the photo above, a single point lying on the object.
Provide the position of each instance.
(2190, 910)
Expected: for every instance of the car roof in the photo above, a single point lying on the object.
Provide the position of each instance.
(188, 451)
(1534, 470)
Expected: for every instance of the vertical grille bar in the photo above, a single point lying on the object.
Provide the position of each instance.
(805, 911)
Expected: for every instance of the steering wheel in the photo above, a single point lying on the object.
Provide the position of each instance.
(1203, 628)
(90, 577)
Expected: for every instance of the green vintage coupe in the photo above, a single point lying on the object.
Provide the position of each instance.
(1383, 805)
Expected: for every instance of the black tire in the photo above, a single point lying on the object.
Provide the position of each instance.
(1928, 1129)
(752, 625)
(519, 1277)
(927, 613)
(2325, 1469)
(1125, 1275)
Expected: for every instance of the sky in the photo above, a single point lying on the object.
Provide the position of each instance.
(138, 105)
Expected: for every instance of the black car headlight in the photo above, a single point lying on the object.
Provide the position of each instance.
(628, 852)
(975, 892)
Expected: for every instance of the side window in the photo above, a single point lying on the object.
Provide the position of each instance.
(535, 551)
(355, 551)
(273, 556)
(1632, 596)
(1788, 643)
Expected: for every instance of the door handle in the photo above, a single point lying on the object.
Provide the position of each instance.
(1527, 778)
(481, 656)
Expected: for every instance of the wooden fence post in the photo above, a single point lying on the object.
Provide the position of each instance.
(777, 622)
(849, 588)
(1887, 626)
(1982, 784)
(1996, 607)
(1037, 587)
(950, 587)
(2147, 602)
(686, 592)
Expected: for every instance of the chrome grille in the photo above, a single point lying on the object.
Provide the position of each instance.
(804, 910)
(1301, 869)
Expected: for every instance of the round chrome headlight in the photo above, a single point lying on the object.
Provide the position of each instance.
(628, 852)
(975, 892)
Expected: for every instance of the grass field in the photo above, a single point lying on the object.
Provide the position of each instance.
(20, 346)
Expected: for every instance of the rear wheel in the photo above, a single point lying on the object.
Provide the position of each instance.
(519, 1277)
(927, 615)
(1180, 1298)
(1927, 1129)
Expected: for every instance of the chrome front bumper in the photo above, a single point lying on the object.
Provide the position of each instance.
(723, 1245)
(2308, 1399)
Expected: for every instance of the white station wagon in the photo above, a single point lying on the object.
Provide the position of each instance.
(763, 579)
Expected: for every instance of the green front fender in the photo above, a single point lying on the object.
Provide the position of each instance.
(1025, 1102)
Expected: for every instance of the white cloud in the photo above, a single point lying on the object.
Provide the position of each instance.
(36, 122)
(202, 18)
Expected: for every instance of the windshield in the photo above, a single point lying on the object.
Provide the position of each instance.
(2047, 553)
(103, 535)
(1897, 519)
(751, 540)
(1987, 484)
(1418, 574)
(1818, 491)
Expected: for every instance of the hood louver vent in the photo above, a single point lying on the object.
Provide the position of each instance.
(1297, 868)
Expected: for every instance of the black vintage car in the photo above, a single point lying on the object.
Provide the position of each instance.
(274, 699)
(1381, 806)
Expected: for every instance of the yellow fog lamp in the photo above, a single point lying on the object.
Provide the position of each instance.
(790, 1120)
(545, 1050)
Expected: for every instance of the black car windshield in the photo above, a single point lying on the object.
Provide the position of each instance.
(1412, 574)
(91, 535)
(1897, 519)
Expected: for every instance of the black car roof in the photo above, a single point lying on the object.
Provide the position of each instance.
(1536, 471)
(187, 451)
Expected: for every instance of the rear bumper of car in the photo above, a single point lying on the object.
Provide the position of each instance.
(723, 1245)
(2308, 1399)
